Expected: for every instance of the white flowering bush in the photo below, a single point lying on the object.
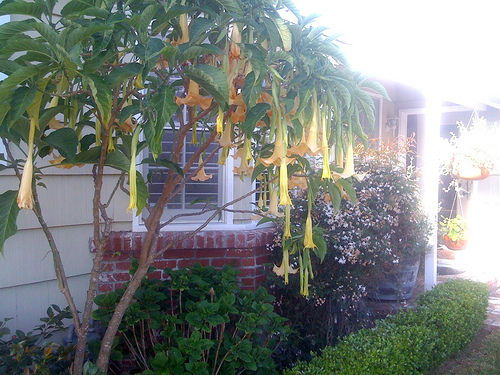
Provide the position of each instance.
(365, 239)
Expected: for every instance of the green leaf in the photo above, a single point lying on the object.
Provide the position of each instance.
(142, 193)
(253, 116)
(199, 50)
(8, 216)
(164, 163)
(284, 32)
(22, 98)
(65, 141)
(75, 7)
(376, 87)
(101, 93)
(14, 28)
(122, 73)
(232, 6)
(159, 114)
(251, 90)
(348, 189)
(22, 7)
(211, 79)
(115, 159)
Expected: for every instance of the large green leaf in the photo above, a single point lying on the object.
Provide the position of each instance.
(76, 7)
(22, 43)
(8, 216)
(65, 141)
(22, 7)
(211, 79)
(22, 98)
(232, 5)
(120, 74)
(142, 193)
(115, 159)
(164, 106)
(284, 33)
(101, 93)
(251, 90)
(164, 163)
(253, 116)
(14, 28)
(376, 87)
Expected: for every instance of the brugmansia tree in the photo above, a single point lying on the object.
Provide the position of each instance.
(101, 81)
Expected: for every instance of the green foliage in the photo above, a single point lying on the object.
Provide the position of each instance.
(443, 322)
(456, 228)
(33, 352)
(366, 239)
(197, 322)
(8, 216)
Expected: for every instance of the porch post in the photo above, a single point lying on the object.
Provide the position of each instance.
(430, 179)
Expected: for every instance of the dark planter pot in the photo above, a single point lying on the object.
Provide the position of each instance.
(397, 285)
(454, 245)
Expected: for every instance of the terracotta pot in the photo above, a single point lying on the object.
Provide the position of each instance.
(466, 169)
(454, 245)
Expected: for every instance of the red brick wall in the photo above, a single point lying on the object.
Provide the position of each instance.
(246, 250)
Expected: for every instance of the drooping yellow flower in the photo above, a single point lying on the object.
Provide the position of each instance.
(226, 140)
(278, 152)
(220, 121)
(201, 175)
(324, 146)
(273, 201)
(183, 23)
(297, 181)
(287, 232)
(312, 134)
(234, 48)
(285, 267)
(308, 237)
(349, 163)
(25, 195)
(193, 97)
(284, 195)
(244, 153)
(133, 172)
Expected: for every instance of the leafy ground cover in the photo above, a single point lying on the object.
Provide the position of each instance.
(481, 357)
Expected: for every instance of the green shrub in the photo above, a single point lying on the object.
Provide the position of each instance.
(443, 322)
(196, 322)
(33, 352)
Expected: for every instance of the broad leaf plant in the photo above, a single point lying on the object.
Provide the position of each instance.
(100, 80)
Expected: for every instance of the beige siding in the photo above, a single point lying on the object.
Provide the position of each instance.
(26, 304)
(27, 282)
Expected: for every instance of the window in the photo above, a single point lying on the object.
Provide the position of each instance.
(196, 195)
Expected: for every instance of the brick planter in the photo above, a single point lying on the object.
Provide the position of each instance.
(246, 250)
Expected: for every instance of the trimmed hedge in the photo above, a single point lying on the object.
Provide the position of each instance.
(443, 322)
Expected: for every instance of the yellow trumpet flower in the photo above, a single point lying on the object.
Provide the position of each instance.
(193, 97)
(234, 48)
(284, 196)
(133, 172)
(349, 163)
(220, 121)
(183, 23)
(201, 175)
(25, 195)
(308, 237)
(287, 232)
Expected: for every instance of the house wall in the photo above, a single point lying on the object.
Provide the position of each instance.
(27, 283)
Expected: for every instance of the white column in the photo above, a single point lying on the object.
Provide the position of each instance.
(430, 179)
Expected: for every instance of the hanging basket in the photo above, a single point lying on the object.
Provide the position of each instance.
(467, 169)
(454, 245)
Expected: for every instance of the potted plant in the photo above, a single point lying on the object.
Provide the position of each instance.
(455, 232)
(472, 154)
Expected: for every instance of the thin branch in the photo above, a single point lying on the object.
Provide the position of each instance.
(191, 234)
